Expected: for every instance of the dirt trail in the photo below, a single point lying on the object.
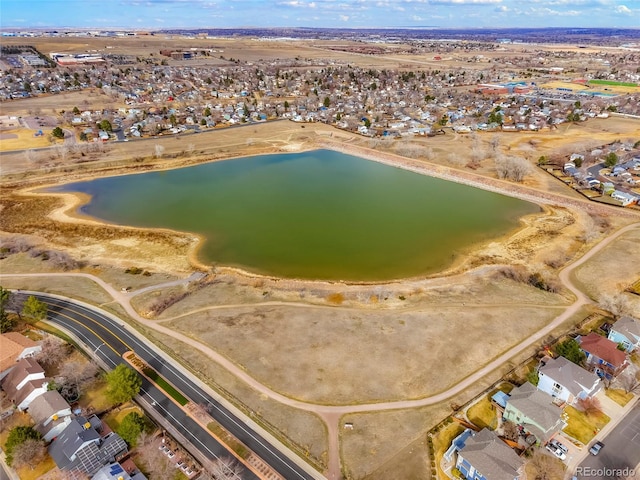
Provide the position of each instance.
(330, 413)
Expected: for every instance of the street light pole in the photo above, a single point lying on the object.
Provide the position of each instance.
(95, 352)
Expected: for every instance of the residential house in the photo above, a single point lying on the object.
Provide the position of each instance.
(626, 332)
(567, 381)
(603, 355)
(15, 347)
(51, 414)
(534, 412)
(116, 471)
(80, 448)
(25, 382)
(486, 457)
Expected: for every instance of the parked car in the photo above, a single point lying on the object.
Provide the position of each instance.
(595, 448)
(556, 451)
(559, 445)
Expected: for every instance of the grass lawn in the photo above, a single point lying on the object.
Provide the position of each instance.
(16, 420)
(619, 396)
(583, 427)
(483, 413)
(96, 397)
(115, 416)
(442, 441)
(27, 473)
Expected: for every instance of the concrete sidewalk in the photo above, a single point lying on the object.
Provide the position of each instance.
(11, 473)
(617, 414)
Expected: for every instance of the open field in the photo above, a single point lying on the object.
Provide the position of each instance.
(302, 430)
(385, 441)
(340, 356)
(22, 138)
(613, 269)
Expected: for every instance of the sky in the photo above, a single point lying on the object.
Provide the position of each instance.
(165, 14)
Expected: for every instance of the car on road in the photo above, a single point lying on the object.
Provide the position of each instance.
(595, 448)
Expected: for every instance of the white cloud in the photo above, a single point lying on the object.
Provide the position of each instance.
(466, 2)
(344, 18)
(624, 10)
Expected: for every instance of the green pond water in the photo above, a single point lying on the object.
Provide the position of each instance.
(313, 215)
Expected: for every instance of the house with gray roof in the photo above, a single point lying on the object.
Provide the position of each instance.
(626, 332)
(486, 457)
(116, 471)
(51, 414)
(567, 381)
(81, 449)
(534, 412)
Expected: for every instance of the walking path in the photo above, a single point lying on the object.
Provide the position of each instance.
(331, 413)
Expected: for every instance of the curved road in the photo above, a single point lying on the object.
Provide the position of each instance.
(110, 340)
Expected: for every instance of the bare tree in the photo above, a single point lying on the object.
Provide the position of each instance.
(74, 377)
(156, 463)
(545, 467)
(590, 406)
(495, 143)
(512, 168)
(30, 452)
(159, 150)
(629, 380)
(53, 351)
(62, 151)
(510, 430)
(618, 304)
(224, 468)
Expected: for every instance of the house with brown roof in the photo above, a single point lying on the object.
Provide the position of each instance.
(15, 347)
(603, 356)
(24, 383)
(51, 414)
(486, 457)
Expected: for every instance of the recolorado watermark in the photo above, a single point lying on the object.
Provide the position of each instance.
(606, 472)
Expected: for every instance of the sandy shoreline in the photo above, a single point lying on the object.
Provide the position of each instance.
(73, 201)
(68, 212)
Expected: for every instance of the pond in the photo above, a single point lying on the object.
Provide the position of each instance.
(312, 215)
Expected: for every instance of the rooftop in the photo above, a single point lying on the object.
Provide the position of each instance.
(491, 456)
(571, 376)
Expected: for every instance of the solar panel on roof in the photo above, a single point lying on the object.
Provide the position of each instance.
(115, 469)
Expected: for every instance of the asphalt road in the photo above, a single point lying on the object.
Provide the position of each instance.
(109, 340)
(621, 451)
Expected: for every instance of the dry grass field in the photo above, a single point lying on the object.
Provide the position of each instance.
(303, 431)
(22, 138)
(344, 356)
(614, 269)
(388, 445)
